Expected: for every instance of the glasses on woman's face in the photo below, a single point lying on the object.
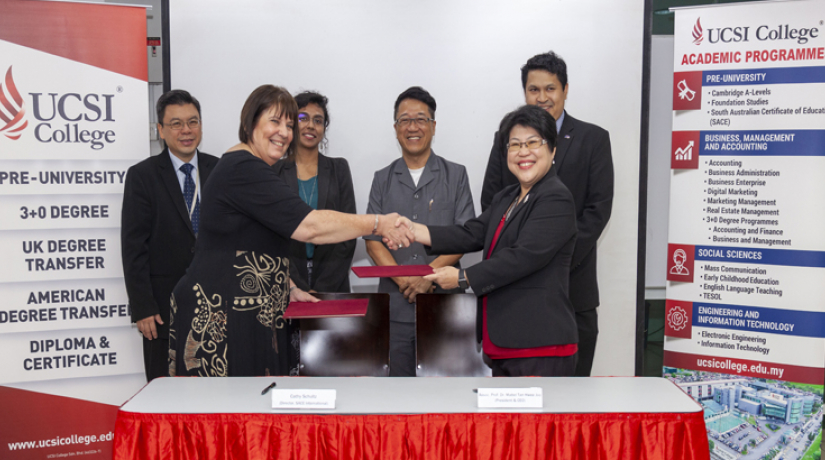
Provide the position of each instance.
(177, 125)
(304, 119)
(531, 144)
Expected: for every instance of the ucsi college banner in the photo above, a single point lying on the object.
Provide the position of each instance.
(745, 311)
(73, 118)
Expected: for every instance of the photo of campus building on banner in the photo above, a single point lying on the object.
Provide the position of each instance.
(754, 419)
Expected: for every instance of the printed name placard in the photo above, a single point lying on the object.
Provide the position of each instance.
(510, 398)
(303, 399)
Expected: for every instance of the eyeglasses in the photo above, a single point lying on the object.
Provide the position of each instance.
(304, 119)
(532, 144)
(177, 125)
(404, 122)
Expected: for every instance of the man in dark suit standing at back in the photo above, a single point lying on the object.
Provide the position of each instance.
(159, 223)
(584, 164)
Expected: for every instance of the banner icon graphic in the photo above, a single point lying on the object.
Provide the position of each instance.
(684, 150)
(678, 319)
(680, 262)
(687, 90)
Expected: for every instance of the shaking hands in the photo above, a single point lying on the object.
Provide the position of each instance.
(394, 234)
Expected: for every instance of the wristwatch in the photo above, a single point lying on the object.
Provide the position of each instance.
(462, 280)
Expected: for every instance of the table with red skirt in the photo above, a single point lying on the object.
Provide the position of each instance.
(411, 418)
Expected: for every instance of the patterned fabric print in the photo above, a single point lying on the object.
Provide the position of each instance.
(206, 337)
(266, 280)
(173, 309)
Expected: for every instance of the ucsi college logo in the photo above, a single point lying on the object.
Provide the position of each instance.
(12, 109)
(765, 32)
(67, 118)
(698, 33)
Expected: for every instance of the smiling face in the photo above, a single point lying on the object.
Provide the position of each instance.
(415, 138)
(271, 136)
(183, 142)
(544, 90)
(528, 165)
(311, 126)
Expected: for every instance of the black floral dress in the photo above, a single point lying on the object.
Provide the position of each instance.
(227, 311)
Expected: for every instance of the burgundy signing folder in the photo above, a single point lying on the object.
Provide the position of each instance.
(327, 308)
(393, 270)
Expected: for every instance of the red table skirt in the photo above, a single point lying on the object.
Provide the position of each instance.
(401, 437)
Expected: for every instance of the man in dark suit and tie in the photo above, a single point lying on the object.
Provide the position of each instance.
(159, 223)
(583, 163)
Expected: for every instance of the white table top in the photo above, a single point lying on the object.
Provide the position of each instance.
(410, 395)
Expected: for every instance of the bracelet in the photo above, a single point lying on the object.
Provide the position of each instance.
(292, 287)
(375, 227)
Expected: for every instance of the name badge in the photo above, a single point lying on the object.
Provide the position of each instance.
(303, 399)
(510, 398)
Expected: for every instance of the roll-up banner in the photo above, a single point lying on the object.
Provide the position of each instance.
(73, 118)
(745, 310)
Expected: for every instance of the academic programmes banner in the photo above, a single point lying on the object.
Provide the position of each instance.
(73, 118)
(745, 309)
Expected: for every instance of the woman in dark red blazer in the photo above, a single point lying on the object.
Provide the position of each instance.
(526, 322)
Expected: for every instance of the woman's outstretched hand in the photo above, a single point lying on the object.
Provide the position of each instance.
(394, 236)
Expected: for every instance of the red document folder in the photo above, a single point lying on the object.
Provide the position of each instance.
(393, 270)
(327, 309)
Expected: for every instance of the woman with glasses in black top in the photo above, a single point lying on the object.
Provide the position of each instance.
(322, 182)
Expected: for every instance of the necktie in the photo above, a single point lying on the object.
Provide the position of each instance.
(189, 195)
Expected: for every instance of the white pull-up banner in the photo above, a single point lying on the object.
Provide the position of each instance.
(745, 311)
(73, 118)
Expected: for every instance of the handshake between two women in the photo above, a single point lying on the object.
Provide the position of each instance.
(408, 231)
(395, 235)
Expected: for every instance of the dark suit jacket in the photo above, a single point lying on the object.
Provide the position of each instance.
(157, 241)
(583, 163)
(526, 278)
(331, 262)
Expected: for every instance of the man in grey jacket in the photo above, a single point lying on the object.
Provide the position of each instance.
(427, 189)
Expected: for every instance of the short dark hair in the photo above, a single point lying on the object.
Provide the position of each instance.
(530, 116)
(262, 99)
(175, 97)
(311, 97)
(550, 62)
(419, 94)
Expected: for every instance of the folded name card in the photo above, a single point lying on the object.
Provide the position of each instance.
(303, 399)
(327, 308)
(393, 270)
(510, 398)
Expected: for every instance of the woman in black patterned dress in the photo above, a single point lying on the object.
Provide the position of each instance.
(227, 311)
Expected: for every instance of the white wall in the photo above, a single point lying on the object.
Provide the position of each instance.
(658, 164)
(363, 53)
